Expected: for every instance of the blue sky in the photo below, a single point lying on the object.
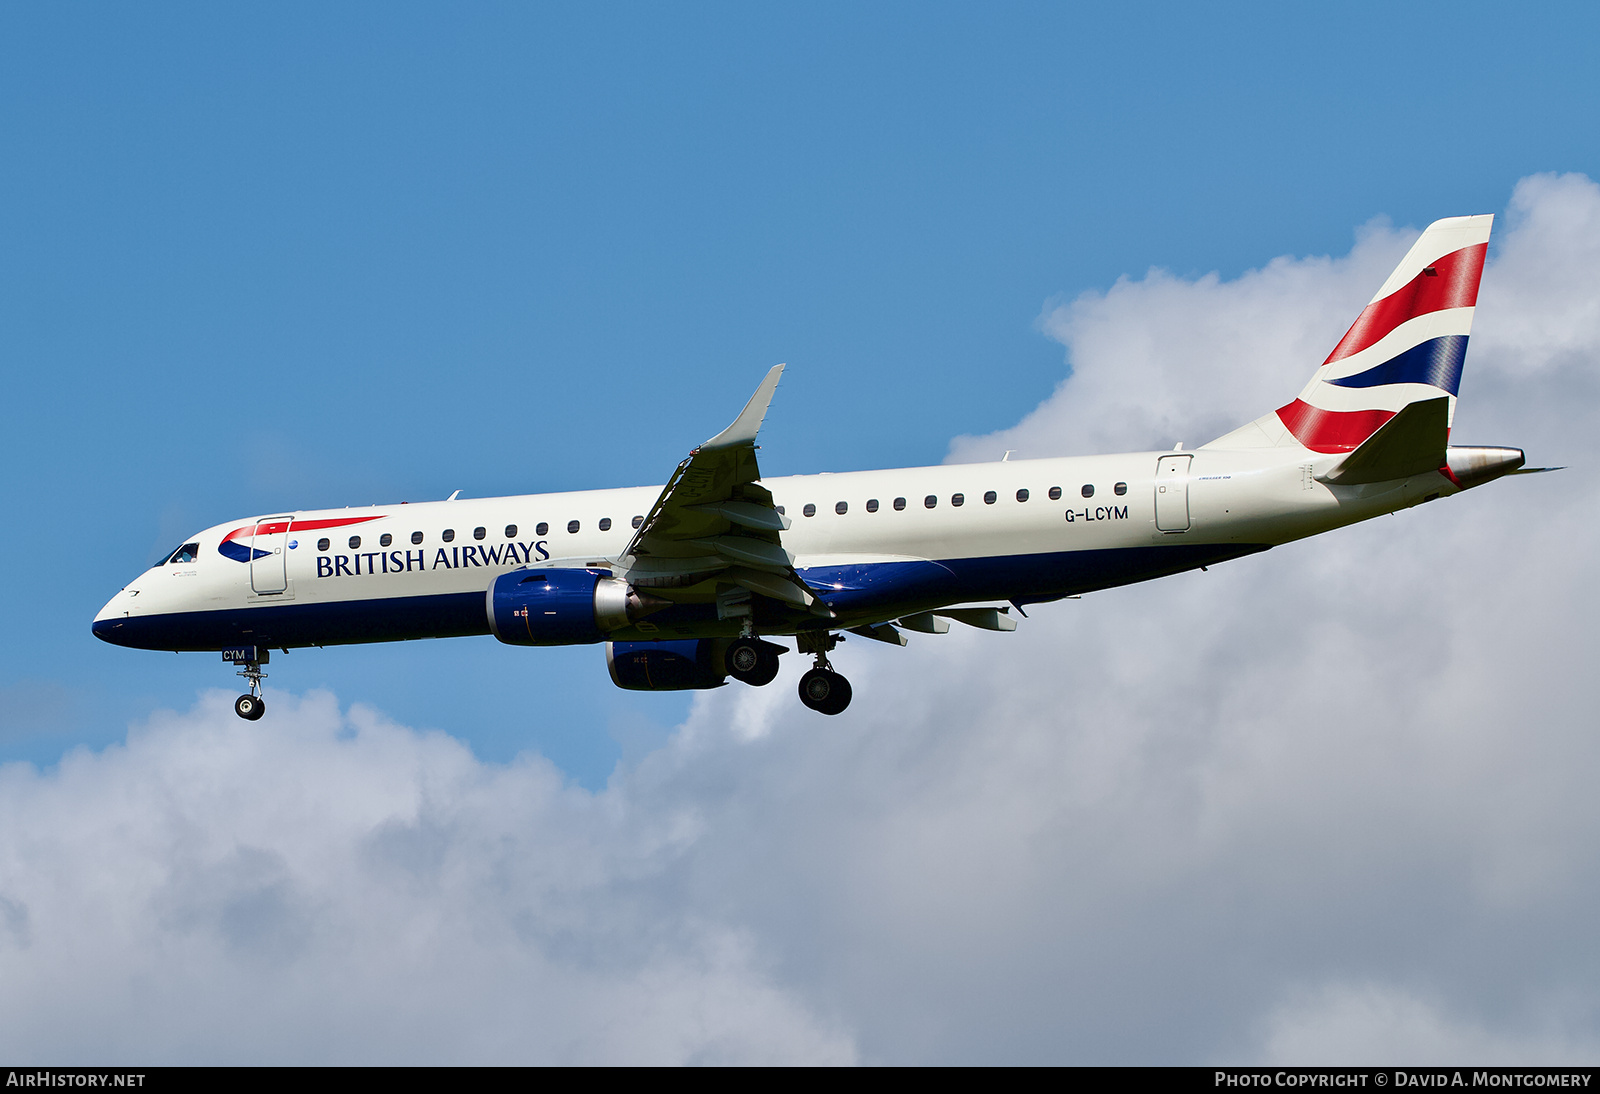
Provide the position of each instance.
(254, 260)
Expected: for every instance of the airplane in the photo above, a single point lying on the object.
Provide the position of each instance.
(688, 584)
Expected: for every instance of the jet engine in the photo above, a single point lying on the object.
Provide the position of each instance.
(563, 607)
(678, 665)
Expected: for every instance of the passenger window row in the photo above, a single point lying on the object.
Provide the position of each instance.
(449, 534)
(931, 501)
(956, 500)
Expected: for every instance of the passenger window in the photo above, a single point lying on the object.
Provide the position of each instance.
(639, 521)
(899, 504)
(572, 527)
(543, 529)
(1120, 489)
(479, 532)
(511, 531)
(1055, 493)
(187, 553)
(931, 500)
(1022, 495)
(605, 524)
(842, 508)
(1088, 490)
(416, 537)
(958, 499)
(385, 539)
(355, 542)
(809, 510)
(323, 545)
(872, 505)
(449, 535)
(990, 497)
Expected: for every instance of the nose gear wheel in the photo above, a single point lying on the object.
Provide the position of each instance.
(251, 707)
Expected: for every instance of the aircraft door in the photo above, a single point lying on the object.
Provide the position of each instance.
(268, 556)
(1172, 493)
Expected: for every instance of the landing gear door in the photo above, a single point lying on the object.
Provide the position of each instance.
(268, 556)
(1172, 493)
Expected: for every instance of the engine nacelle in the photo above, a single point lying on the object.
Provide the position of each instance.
(561, 607)
(679, 665)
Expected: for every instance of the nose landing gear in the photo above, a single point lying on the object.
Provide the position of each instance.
(822, 689)
(249, 707)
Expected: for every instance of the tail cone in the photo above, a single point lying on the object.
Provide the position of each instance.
(1475, 466)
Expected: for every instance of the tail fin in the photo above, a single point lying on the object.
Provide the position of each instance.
(1406, 347)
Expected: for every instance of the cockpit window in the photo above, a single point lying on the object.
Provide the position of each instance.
(187, 553)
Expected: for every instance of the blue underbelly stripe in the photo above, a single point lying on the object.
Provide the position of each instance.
(857, 593)
(391, 619)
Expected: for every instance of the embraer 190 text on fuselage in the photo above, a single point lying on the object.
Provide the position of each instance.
(687, 584)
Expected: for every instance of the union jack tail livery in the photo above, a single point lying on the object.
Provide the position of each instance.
(1406, 347)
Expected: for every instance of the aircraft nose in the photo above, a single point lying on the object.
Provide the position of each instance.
(110, 622)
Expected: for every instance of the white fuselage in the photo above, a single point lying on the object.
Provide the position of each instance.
(401, 571)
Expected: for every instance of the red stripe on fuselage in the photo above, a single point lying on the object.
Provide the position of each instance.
(1453, 284)
(340, 522)
(1331, 430)
(275, 526)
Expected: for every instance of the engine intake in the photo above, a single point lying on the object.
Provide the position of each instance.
(562, 607)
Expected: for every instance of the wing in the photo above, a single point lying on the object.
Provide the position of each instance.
(714, 532)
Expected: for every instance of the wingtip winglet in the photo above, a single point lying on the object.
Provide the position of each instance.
(748, 423)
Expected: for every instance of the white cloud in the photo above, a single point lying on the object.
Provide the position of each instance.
(340, 889)
(1166, 359)
(1346, 1025)
(1135, 830)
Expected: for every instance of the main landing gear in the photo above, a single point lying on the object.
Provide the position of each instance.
(251, 707)
(753, 661)
(822, 689)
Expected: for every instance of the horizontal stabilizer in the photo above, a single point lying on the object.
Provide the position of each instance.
(1410, 443)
